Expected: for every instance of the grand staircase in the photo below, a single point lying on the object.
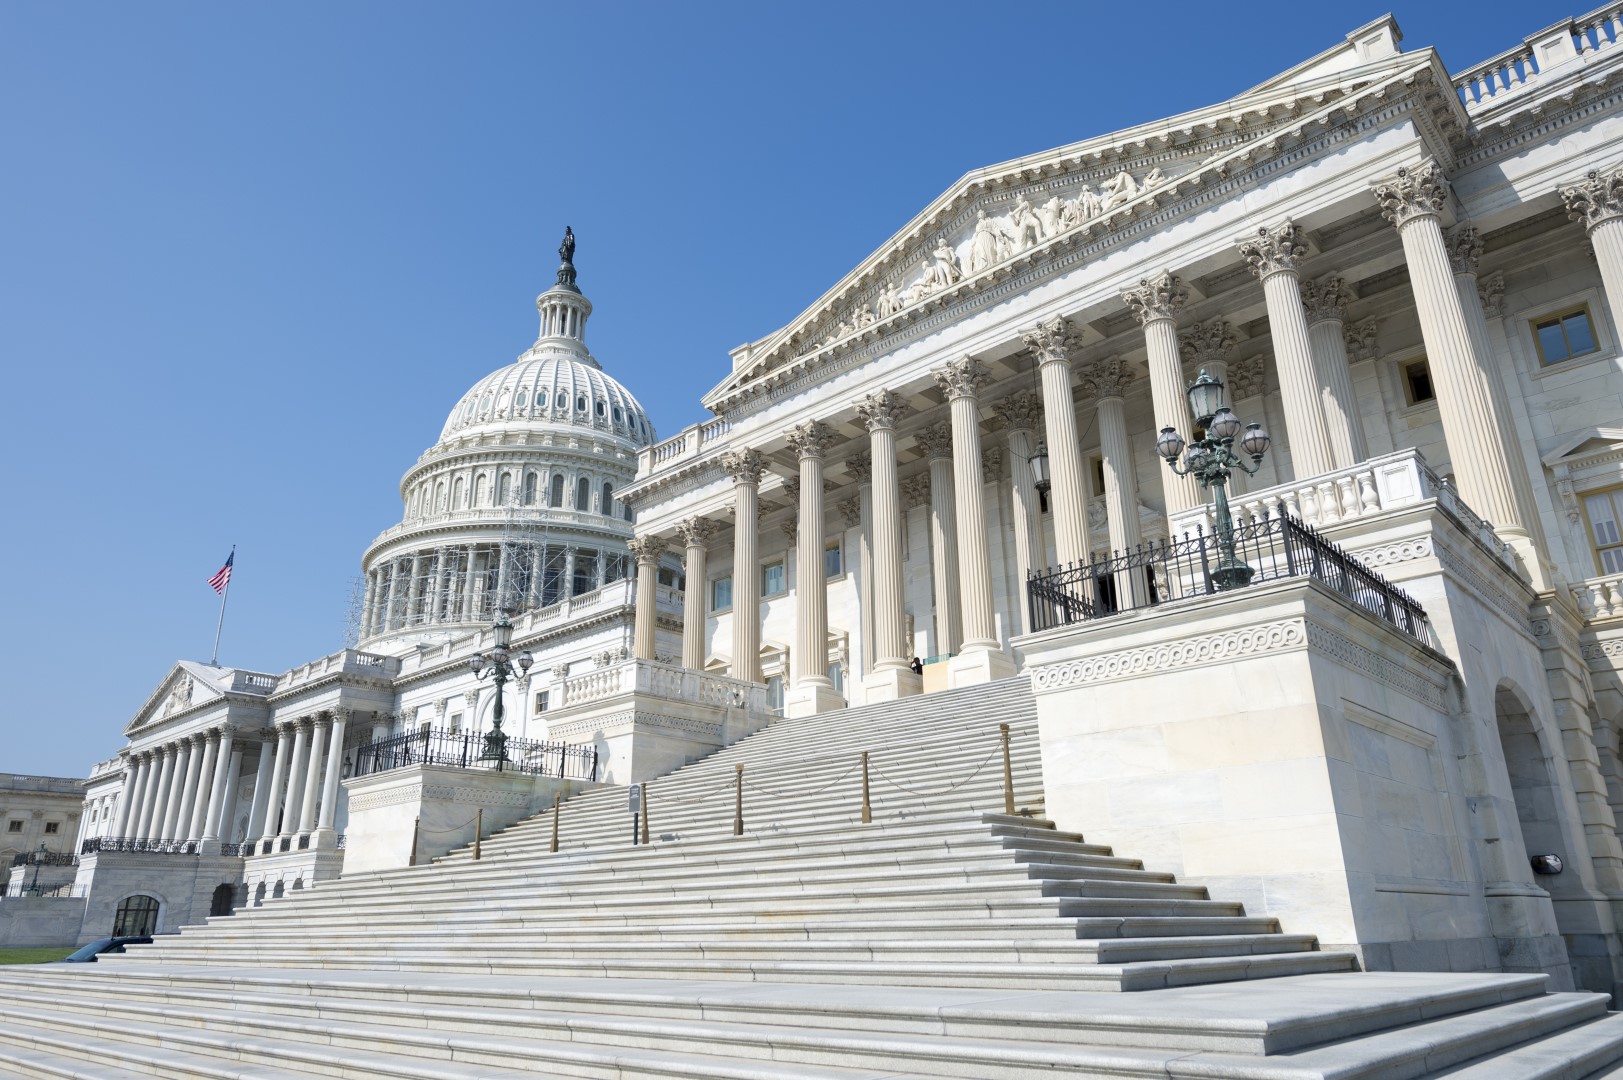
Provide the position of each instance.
(945, 937)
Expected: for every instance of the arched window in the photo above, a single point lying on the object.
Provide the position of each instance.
(479, 490)
(456, 493)
(439, 497)
(608, 499)
(540, 399)
(602, 409)
(557, 492)
(278, 891)
(619, 417)
(629, 516)
(225, 898)
(529, 489)
(504, 488)
(136, 915)
(416, 501)
(583, 494)
(522, 399)
(580, 402)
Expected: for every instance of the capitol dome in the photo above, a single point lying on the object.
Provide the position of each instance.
(516, 506)
(547, 390)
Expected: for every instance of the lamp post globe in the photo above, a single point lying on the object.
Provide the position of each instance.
(498, 667)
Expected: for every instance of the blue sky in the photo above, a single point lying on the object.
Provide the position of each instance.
(251, 254)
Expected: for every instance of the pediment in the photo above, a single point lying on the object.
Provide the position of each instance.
(1584, 445)
(188, 686)
(998, 221)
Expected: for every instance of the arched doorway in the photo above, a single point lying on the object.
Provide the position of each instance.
(276, 893)
(224, 898)
(1532, 782)
(136, 916)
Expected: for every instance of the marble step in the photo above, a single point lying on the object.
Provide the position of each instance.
(1573, 1054)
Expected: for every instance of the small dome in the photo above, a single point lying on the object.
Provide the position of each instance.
(560, 391)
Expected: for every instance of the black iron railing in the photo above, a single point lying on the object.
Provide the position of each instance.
(1158, 572)
(461, 749)
(140, 843)
(44, 858)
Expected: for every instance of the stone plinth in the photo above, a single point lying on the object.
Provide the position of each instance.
(1287, 749)
(41, 879)
(646, 717)
(439, 804)
(184, 886)
(37, 922)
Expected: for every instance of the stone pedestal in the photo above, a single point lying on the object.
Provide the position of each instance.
(890, 683)
(645, 717)
(972, 667)
(809, 699)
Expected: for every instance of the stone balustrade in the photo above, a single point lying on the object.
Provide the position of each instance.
(691, 442)
(1600, 598)
(1371, 487)
(659, 679)
(494, 516)
(343, 662)
(1491, 81)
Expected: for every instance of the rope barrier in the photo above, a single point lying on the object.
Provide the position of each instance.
(786, 795)
(947, 791)
(456, 828)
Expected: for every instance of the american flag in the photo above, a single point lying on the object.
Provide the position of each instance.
(220, 580)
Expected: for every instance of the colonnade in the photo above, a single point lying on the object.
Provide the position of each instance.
(296, 785)
(1323, 432)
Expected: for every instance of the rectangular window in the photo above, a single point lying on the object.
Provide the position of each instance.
(721, 593)
(1564, 335)
(833, 563)
(1417, 382)
(15, 826)
(1605, 511)
(836, 675)
(774, 694)
(774, 582)
(51, 827)
(1096, 467)
(456, 721)
(541, 701)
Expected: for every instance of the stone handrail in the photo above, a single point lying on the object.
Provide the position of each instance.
(1492, 80)
(1370, 487)
(1600, 597)
(659, 679)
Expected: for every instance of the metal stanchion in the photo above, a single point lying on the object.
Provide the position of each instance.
(416, 826)
(478, 831)
(867, 812)
(644, 788)
(738, 800)
(555, 800)
(1008, 771)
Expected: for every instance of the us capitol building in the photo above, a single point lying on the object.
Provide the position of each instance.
(1411, 280)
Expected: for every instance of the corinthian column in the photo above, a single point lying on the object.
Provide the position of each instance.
(746, 467)
(1598, 203)
(273, 794)
(335, 765)
(936, 441)
(1156, 301)
(1020, 412)
(1325, 304)
(121, 812)
(811, 691)
(1107, 380)
(312, 773)
(891, 677)
(981, 657)
(1069, 492)
(149, 793)
(860, 466)
(647, 550)
(172, 797)
(224, 773)
(295, 777)
(695, 533)
(1413, 201)
(1274, 255)
(198, 800)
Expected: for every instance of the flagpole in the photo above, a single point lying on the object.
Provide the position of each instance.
(225, 594)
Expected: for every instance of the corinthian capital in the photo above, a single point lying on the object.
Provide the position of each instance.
(696, 531)
(1412, 193)
(1246, 378)
(916, 490)
(1274, 250)
(1047, 341)
(744, 466)
(1325, 301)
(1492, 291)
(647, 549)
(1208, 341)
(881, 410)
(1597, 200)
(860, 466)
(961, 378)
(1159, 297)
(936, 440)
(851, 512)
(1464, 248)
(1107, 377)
(811, 438)
(1021, 410)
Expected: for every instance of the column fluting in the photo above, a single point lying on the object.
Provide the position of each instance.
(810, 441)
(1156, 302)
(647, 551)
(936, 441)
(961, 381)
(695, 533)
(1068, 492)
(746, 467)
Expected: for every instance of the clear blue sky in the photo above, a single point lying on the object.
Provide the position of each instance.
(251, 254)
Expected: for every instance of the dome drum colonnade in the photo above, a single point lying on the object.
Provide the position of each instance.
(516, 506)
(1321, 421)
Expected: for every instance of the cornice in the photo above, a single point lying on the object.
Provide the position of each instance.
(492, 530)
(622, 614)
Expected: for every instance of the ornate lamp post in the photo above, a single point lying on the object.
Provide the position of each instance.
(1209, 460)
(39, 857)
(498, 667)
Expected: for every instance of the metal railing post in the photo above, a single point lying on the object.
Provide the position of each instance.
(1008, 770)
(556, 799)
(416, 827)
(738, 799)
(644, 787)
(478, 831)
(867, 811)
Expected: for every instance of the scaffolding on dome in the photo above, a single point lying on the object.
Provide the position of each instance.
(531, 567)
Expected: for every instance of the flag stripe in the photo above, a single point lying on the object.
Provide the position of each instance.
(220, 580)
